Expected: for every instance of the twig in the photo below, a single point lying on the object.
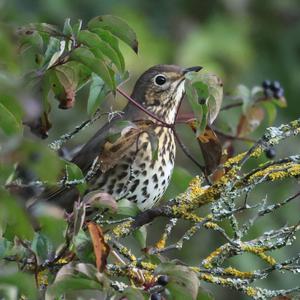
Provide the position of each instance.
(233, 137)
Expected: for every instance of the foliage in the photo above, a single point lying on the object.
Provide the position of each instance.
(70, 256)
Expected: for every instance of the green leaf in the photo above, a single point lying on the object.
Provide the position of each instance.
(215, 98)
(127, 208)
(68, 76)
(53, 228)
(132, 294)
(68, 30)
(79, 217)
(271, 111)
(209, 89)
(54, 50)
(280, 102)
(109, 38)
(42, 28)
(205, 294)
(97, 93)
(84, 247)
(5, 246)
(12, 104)
(140, 235)
(179, 182)
(200, 110)
(10, 123)
(15, 218)
(117, 27)
(96, 65)
(183, 282)
(77, 27)
(73, 172)
(24, 282)
(42, 246)
(202, 90)
(34, 39)
(99, 47)
(243, 93)
(41, 160)
(70, 284)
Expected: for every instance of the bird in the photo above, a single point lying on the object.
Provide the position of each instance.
(132, 172)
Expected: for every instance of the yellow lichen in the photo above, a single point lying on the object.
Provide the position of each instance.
(260, 252)
(208, 260)
(277, 172)
(207, 277)
(162, 242)
(211, 225)
(267, 258)
(148, 266)
(295, 170)
(195, 269)
(195, 187)
(234, 160)
(148, 278)
(122, 229)
(215, 279)
(127, 253)
(63, 261)
(250, 291)
(257, 152)
(42, 278)
(236, 273)
(295, 124)
(181, 211)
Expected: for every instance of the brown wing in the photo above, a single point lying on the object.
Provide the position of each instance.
(65, 197)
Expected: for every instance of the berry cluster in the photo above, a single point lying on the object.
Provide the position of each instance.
(162, 280)
(273, 89)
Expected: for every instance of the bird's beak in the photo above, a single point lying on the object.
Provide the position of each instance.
(192, 69)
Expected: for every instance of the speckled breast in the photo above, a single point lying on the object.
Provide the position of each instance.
(139, 177)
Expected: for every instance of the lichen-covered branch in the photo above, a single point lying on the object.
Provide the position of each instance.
(222, 197)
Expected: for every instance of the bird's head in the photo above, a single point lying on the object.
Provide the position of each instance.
(161, 88)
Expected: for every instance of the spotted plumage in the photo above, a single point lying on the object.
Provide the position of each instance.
(142, 182)
(135, 174)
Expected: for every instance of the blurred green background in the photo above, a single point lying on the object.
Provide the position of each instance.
(242, 41)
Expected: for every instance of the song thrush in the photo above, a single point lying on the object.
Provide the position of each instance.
(134, 173)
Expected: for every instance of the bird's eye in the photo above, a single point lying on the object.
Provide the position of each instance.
(160, 79)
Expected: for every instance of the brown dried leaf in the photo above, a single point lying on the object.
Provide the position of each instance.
(250, 121)
(210, 146)
(101, 248)
(211, 149)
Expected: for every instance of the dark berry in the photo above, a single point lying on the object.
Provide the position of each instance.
(163, 280)
(266, 84)
(155, 296)
(268, 93)
(270, 153)
(275, 86)
(279, 93)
